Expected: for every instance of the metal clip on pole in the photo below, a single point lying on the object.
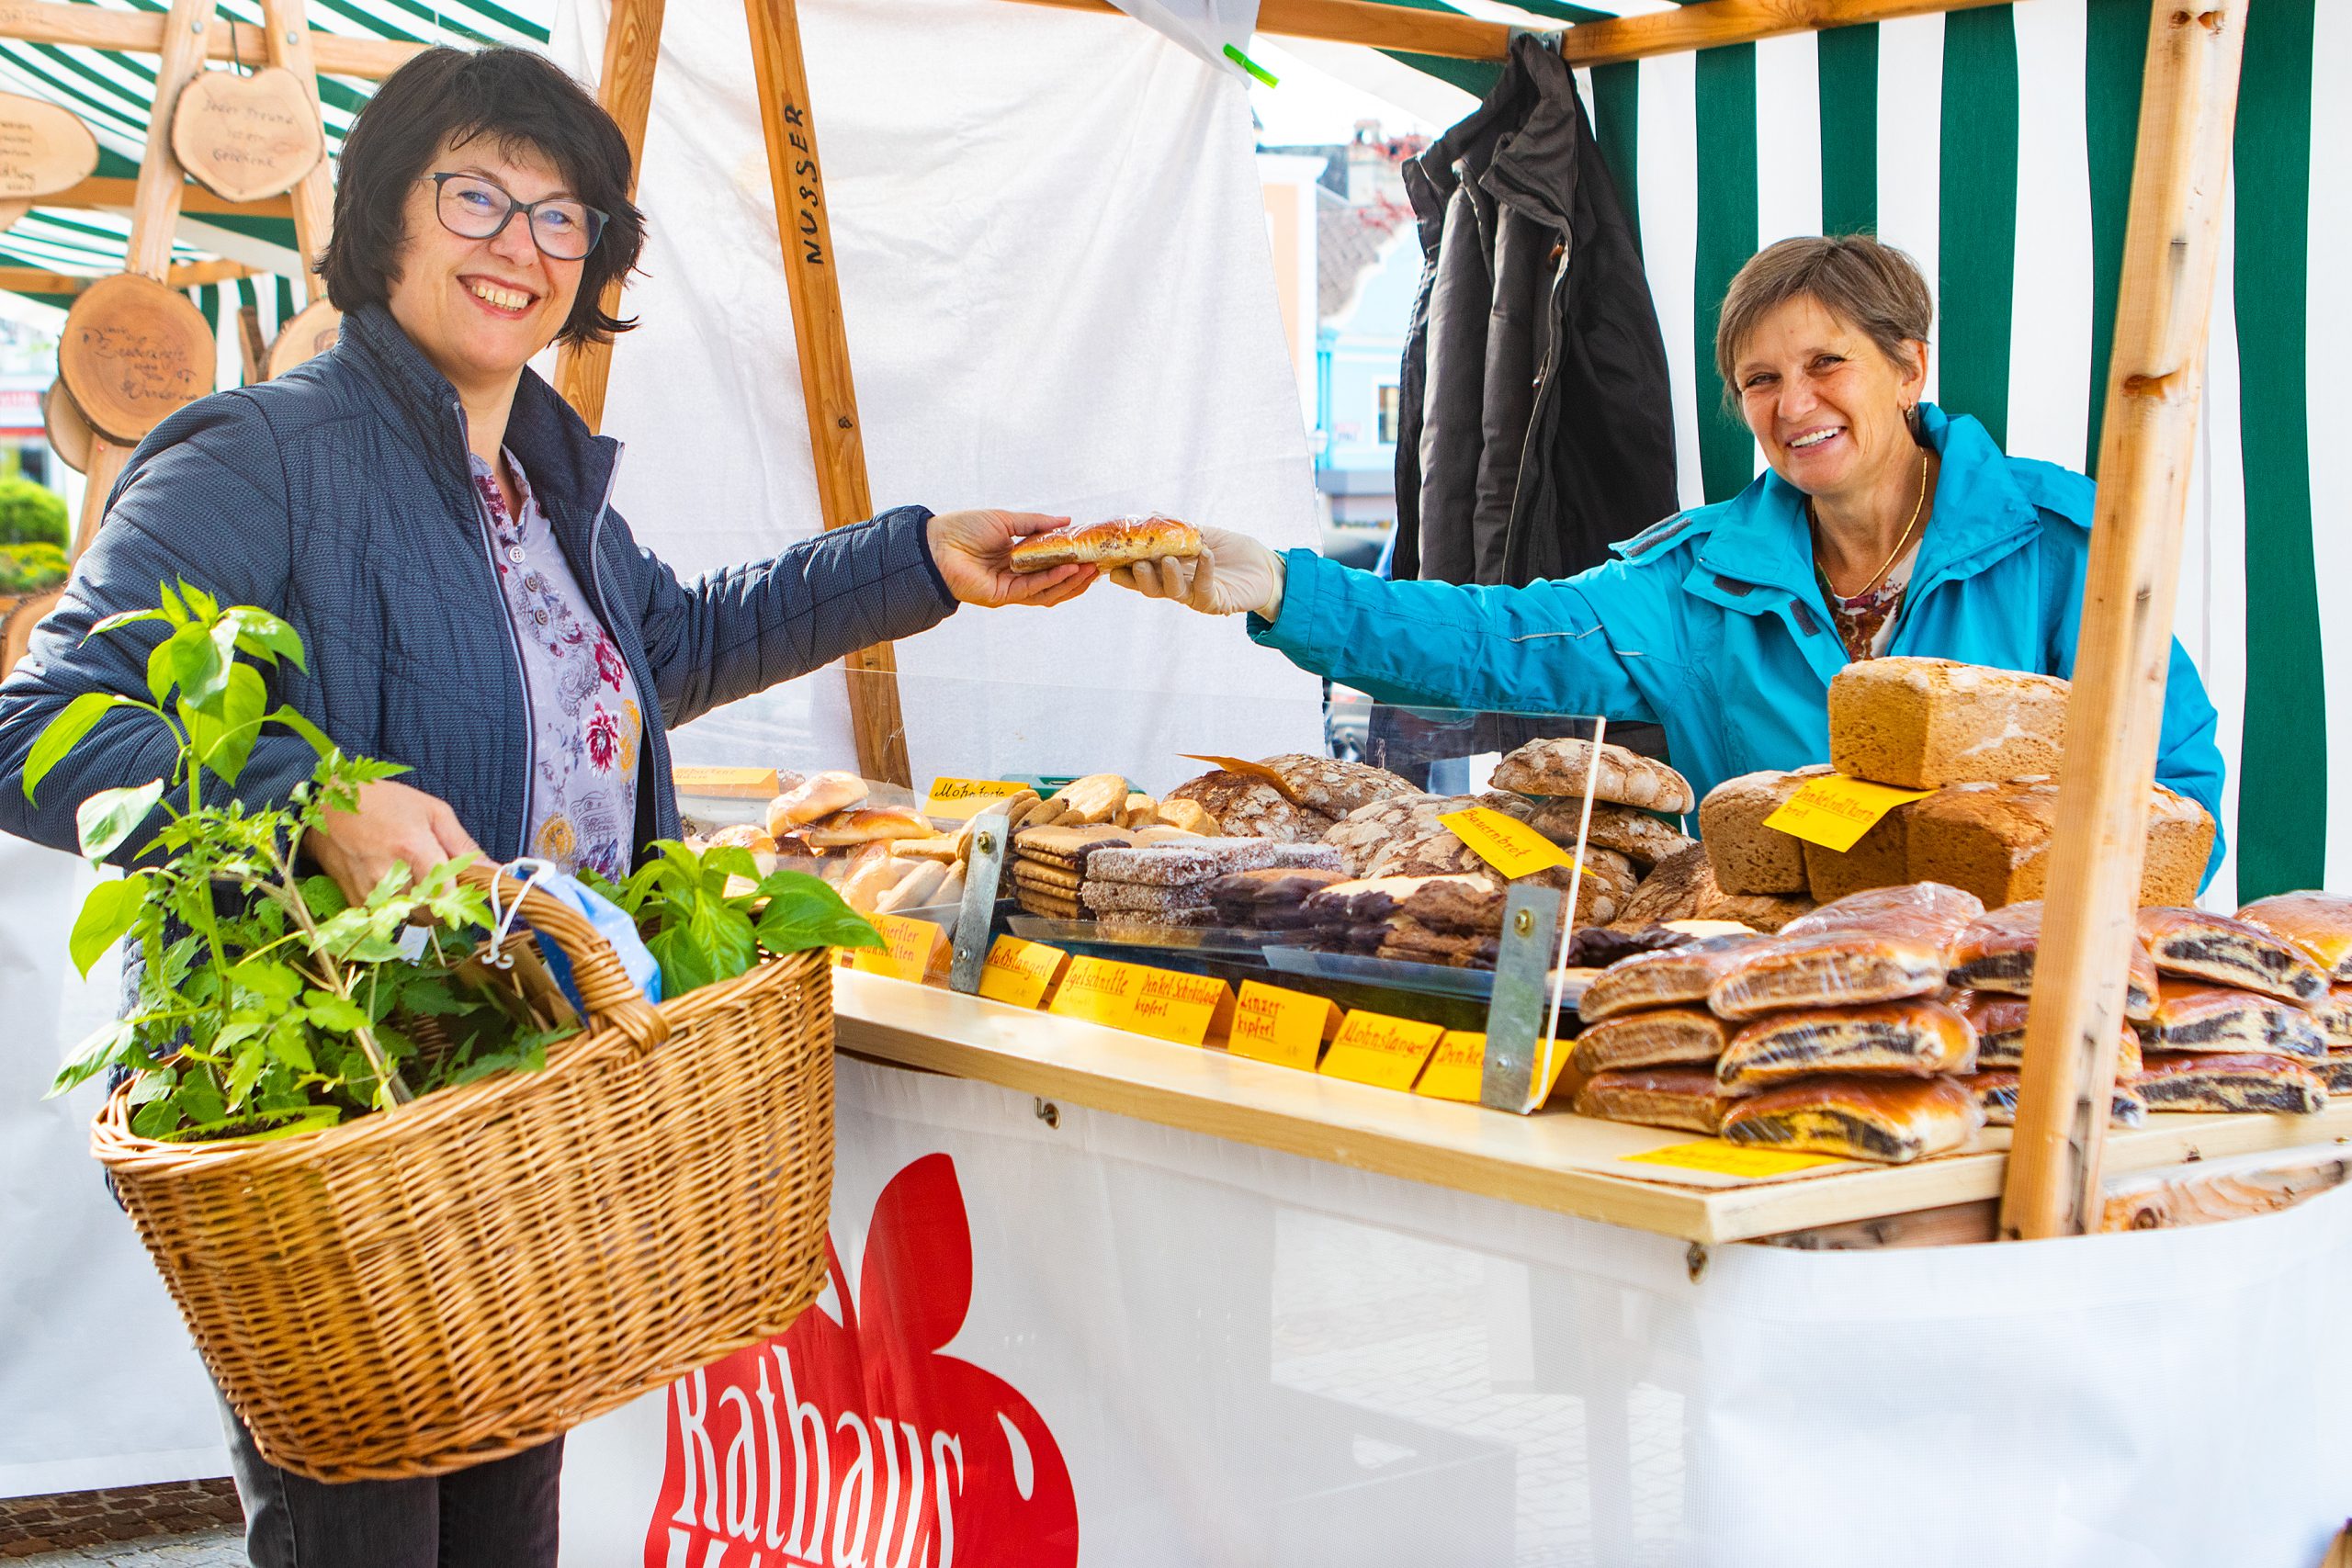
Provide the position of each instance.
(976, 918)
(1520, 1027)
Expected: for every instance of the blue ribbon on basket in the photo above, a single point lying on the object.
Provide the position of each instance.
(612, 923)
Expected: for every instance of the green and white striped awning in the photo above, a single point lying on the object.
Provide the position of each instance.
(114, 95)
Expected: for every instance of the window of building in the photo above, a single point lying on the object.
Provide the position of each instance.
(1390, 404)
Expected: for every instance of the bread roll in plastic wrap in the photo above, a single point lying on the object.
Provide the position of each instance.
(1659, 1037)
(2191, 944)
(2335, 1018)
(2190, 1016)
(1995, 952)
(1997, 1092)
(1891, 1121)
(2183, 1080)
(820, 794)
(1826, 969)
(2337, 1072)
(1918, 1039)
(1999, 1023)
(1655, 1097)
(2321, 923)
(1672, 977)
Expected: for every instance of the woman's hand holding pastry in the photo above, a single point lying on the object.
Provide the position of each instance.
(973, 551)
(1233, 573)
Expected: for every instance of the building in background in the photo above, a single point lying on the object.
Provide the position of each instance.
(27, 364)
(1342, 235)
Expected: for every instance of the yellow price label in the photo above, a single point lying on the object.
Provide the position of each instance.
(960, 800)
(1385, 1051)
(910, 947)
(1179, 1008)
(1721, 1159)
(1097, 990)
(1459, 1063)
(1835, 811)
(1506, 844)
(1020, 972)
(1285, 1027)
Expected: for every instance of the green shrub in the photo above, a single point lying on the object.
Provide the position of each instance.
(31, 569)
(31, 514)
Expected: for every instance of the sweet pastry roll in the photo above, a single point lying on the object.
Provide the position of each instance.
(820, 794)
(1917, 1039)
(2320, 923)
(1917, 911)
(2217, 1018)
(2335, 1017)
(2182, 1081)
(865, 825)
(1114, 542)
(1996, 953)
(2191, 944)
(1673, 976)
(1997, 1092)
(1658, 1037)
(1999, 1023)
(1893, 1120)
(1826, 969)
(1686, 1098)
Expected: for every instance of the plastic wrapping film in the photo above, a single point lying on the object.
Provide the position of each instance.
(1657, 1037)
(2191, 944)
(1999, 1021)
(1672, 976)
(1249, 1359)
(1997, 1092)
(1996, 953)
(1857, 1116)
(1879, 946)
(1911, 1039)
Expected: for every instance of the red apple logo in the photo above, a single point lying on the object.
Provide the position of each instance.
(856, 1444)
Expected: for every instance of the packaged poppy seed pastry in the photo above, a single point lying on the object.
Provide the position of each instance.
(1914, 1039)
(2191, 944)
(1881, 946)
(1658, 1037)
(2320, 923)
(1996, 953)
(1890, 1121)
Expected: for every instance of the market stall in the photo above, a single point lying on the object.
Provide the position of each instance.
(1204, 1308)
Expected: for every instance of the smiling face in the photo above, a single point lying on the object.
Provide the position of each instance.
(1825, 401)
(481, 309)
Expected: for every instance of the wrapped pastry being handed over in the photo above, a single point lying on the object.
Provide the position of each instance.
(1115, 541)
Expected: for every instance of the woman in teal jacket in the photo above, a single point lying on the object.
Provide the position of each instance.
(1883, 526)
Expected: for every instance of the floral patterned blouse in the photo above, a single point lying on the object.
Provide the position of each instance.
(1866, 622)
(585, 723)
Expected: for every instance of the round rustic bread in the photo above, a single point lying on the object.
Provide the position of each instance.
(1557, 766)
(1335, 787)
(1247, 807)
(1642, 839)
(1361, 834)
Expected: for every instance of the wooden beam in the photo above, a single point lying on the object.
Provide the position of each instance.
(292, 46)
(1375, 25)
(109, 191)
(632, 49)
(1716, 23)
(1954, 1225)
(2172, 240)
(2221, 1188)
(186, 275)
(821, 337)
(143, 32)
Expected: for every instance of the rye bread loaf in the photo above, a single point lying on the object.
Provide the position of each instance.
(1249, 807)
(1924, 723)
(1638, 835)
(1747, 856)
(1879, 858)
(1334, 786)
(1558, 766)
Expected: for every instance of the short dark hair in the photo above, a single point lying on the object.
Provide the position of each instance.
(518, 100)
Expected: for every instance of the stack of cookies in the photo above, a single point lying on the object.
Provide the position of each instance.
(1168, 884)
(1270, 898)
(1455, 921)
(1049, 866)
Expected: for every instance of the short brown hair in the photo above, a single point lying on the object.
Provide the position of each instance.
(515, 99)
(1855, 277)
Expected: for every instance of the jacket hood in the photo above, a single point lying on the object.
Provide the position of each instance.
(571, 466)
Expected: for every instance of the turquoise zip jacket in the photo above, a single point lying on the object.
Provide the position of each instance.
(1712, 624)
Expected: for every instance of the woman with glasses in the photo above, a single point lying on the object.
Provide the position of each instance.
(436, 524)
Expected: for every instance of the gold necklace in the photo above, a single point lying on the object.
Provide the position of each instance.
(1905, 539)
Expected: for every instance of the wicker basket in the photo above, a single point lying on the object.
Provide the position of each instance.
(469, 1276)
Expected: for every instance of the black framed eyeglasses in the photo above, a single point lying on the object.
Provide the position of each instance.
(473, 209)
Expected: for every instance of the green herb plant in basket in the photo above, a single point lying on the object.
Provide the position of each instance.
(268, 1003)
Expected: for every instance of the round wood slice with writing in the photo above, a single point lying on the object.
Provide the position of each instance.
(69, 433)
(133, 352)
(244, 137)
(12, 210)
(310, 332)
(16, 628)
(43, 149)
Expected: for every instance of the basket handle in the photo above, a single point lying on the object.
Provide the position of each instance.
(610, 994)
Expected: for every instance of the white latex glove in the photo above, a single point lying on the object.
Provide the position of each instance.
(1233, 573)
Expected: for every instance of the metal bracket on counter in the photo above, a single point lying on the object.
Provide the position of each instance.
(1518, 1016)
(983, 873)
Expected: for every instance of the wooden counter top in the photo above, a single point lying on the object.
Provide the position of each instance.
(1553, 1160)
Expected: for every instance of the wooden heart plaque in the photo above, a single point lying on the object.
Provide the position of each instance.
(133, 352)
(244, 137)
(43, 149)
(69, 433)
(310, 332)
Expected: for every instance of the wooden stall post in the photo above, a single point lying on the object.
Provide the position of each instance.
(2172, 242)
(289, 25)
(155, 213)
(822, 339)
(632, 49)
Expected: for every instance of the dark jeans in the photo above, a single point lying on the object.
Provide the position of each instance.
(500, 1514)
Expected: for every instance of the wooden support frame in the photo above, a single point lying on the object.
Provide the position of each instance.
(2171, 247)
(632, 49)
(183, 275)
(293, 47)
(146, 32)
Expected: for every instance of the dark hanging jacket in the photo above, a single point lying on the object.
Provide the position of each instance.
(1537, 428)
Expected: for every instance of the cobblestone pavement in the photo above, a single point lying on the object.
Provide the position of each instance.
(218, 1548)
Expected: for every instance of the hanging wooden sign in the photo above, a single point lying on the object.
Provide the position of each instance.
(244, 137)
(310, 332)
(12, 210)
(133, 352)
(43, 149)
(69, 433)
